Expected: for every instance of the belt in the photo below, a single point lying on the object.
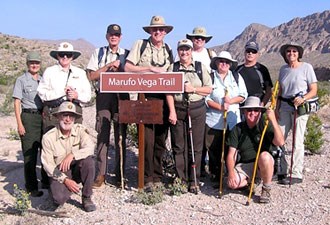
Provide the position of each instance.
(192, 105)
(32, 111)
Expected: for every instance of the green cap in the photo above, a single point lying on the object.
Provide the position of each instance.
(33, 56)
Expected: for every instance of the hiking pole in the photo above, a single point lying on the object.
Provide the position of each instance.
(272, 106)
(193, 163)
(223, 147)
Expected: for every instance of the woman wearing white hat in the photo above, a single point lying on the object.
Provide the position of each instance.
(218, 102)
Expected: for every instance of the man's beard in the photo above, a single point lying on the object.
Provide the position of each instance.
(66, 126)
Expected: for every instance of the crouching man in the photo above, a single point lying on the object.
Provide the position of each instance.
(67, 158)
(243, 142)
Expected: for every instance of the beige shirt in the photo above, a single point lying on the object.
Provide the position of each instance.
(55, 147)
(193, 78)
(151, 56)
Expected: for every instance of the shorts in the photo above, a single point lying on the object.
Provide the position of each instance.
(245, 168)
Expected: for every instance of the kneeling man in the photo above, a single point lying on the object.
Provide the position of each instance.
(67, 156)
(243, 142)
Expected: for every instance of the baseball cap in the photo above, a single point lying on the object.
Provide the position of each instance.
(114, 29)
(185, 42)
(252, 45)
(33, 56)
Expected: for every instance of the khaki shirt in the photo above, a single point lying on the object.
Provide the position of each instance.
(193, 78)
(151, 56)
(55, 147)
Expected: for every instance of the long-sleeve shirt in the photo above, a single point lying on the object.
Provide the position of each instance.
(55, 79)
(214, 118)
(56, 146)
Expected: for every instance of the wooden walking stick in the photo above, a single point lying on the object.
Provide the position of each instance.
(272, 106)
(223, 147)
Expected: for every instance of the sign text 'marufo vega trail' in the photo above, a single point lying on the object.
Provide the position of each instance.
(171, 82)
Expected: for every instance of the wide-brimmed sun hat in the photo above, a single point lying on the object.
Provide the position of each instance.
(158, 21)
(199, 32)
(223, 55)
(252, 102)
(292, 44)
(67, 48)
(68, 107)
(185, 42)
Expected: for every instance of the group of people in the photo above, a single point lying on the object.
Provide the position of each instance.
(218, 95)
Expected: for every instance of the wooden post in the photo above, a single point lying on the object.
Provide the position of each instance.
(141, 150)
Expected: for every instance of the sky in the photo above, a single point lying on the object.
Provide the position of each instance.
(74, 19)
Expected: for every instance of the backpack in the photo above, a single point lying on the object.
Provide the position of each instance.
(257, 68)
(209, 51)
(198, 69)
(101, 53)
(169, 51)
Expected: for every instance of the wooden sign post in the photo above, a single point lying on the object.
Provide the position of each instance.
(141, 111)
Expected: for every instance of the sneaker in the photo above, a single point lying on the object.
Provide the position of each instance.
(36, 193)
(88, 204)
(282, 179)
(265, 195)
(295, 180)
(99, 181)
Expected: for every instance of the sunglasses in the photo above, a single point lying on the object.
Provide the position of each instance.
(67, 54)
(200, 37)
(160, 29)
(291, 51)
(224, 61)
(250, 51)
(253, 110)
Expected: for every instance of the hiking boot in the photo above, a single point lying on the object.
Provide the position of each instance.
(194, 189)
(99, 181)
(35, 193)
(265, 195)
(88, 204)
(282, 179)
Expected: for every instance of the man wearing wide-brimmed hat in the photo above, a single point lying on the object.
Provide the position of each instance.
(200, 53)
(256, 75)
(153, 55)
(243, 142)
(67, 156)
(61, 82)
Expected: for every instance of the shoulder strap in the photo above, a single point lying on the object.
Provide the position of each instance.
(212, 76)
(143, 46)
(261, 78)
(169, 51)
(235, 74)
(176, 66)
(100, 55)
(209, 51)
(198, 68)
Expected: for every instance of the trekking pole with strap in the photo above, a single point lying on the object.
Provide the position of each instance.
(193, 163)
(293, 137)
(272, 106)
(223, 147)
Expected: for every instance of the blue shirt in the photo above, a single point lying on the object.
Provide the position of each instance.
(214, 118)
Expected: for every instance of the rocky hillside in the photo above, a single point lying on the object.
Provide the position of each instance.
(312, 32)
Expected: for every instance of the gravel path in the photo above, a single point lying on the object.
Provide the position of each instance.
(306, 203)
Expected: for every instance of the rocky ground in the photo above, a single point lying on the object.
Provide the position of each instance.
(306, 203)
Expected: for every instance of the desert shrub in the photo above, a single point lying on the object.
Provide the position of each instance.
(22, 200)
(314, 136)
(133, 133)
(13, 134)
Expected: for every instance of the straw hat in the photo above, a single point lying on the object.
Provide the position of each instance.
(199, 32)
(292, 44)
(158, 21)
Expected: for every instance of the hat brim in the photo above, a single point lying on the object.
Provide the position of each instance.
(75, 54)
(213, 66)
(167, 28)
(253, 107)
(207, 37)
(75, 113)
(284, 48)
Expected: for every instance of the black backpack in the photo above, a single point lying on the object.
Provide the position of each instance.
(169, 51)
(257, 68)
(235, 74)
(198, 69)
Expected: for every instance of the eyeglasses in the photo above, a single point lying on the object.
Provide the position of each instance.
(67, 54)
(291, 51)
(160, 29)
(253, 110)
(200, 37)
(252, 51)
(70, 115)
(224, 61)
